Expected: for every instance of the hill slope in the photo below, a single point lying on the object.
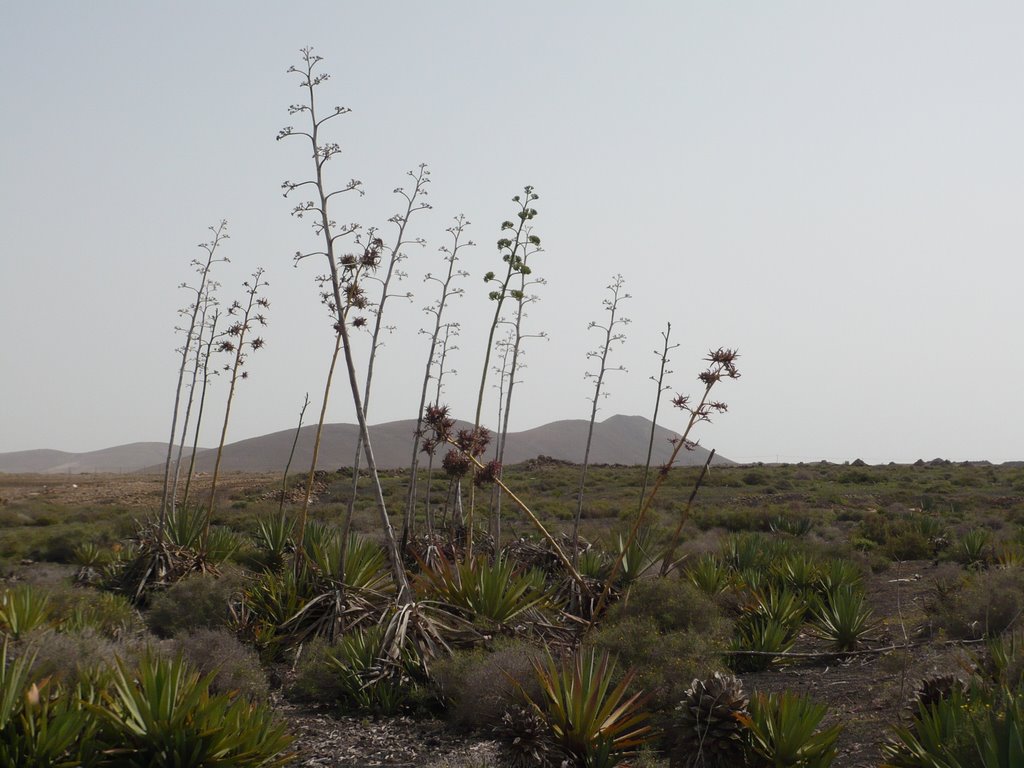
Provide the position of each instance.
(617, 440)
(121, 458)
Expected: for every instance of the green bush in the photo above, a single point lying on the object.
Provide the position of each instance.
(668, 632)
(70, 657)
(201, 601)
(234, 667)
(313, 682)
(664, 662)
(985, 606)
(673, 604)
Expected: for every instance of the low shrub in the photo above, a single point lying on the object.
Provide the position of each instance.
(234, 667)
(673, 604)
(479, 685)
(69, 657)
(664, 662)
(987, 604)
(201, 601)
(312, 682)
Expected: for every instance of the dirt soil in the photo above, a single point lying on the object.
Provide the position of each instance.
(326, 740)
(869, 693)
(133, 491)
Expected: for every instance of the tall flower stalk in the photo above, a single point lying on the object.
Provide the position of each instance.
(522, 299)
(291, 453)
(209, 339)
(199, 363)
(722, 365)
(515, 251)
(413, 203)
(660, 388)
(444, 347)
(436, 310)
(342, 283)
(202, 266)
(239, 343)
(612, 336)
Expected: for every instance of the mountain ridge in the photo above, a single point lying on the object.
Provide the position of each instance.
(619, 439)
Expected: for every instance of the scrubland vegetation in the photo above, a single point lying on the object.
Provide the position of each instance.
(797, 615)
(903, 583)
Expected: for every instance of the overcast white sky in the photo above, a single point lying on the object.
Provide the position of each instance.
(833, 188)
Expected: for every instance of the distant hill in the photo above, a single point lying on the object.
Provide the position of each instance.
(122, 458)
(617, 440)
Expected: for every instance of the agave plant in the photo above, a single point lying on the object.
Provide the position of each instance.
(998, 731)
(274, 538)
(710, 728)
(163, 714)
(937, 688)
(979, 728)
(333, 593)
(527, 739)
(1004, 660)
(758, 640)
(39, 725)
(792, 525)
(839, 574)
(368, 681)
(843, 618)
(780, 604)
(185, 527)
(799, 571)
(974, 546)
(639, 555)
(23, 609)
(746, 551)
(268, 604)
(417, 633)
(1010, 555)
(593, 722)
(783, 731)
(497, 592)
(709, 574)
(221, 543)
(937, 737)
(90, 560)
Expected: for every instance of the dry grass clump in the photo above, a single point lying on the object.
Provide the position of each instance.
(234, 666)
(70, 657)
(477, 686)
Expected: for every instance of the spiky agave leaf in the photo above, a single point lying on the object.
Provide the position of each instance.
(590, 719)
(784, 731)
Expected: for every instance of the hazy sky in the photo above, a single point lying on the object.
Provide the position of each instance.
(833, 188)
